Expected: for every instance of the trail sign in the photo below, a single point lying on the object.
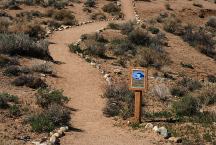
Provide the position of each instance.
(138, 79)
(139, 83)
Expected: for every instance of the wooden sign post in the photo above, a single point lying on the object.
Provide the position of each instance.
(138, 83)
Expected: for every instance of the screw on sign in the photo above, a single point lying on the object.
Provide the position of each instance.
(138, 83)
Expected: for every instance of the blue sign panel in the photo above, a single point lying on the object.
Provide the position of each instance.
(138, 75)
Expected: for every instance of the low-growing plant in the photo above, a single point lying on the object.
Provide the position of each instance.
(16, 70)
(179, 91)
(5, 98)
(161, 91)
(90, 3)
(212, 22)
(111, 8)
(45, 68)
(75, 48)
(139, 37)
(207, 96)
(22, 44)
(30, 81)
(46, 97)
(186, 106)
(96, 50)
(55, 116)
(190, 84)
(211, 78)
(173, 25)
(7, 61)
(123, 47)
(15, 110)
(120, 101)
(148, 57)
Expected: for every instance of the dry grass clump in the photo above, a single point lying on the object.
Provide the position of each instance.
(22, 44)
(120, 101)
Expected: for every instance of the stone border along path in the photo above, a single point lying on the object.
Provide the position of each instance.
(109, 135)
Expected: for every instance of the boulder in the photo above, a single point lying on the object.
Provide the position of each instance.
(52, 139)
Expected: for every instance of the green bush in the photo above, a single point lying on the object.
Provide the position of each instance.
(15, 110)
(212, 78)
(187, 106)
(120, 101)
(111, 8)
(90, 3)
(211, 22)
(207, 96)
(139, 37)
(178, 91)
(5, 98)
(55, 116)
(96, 50)
(75, 48)
(16, 70)
(22, 44)
(46, 97)
(147, 57)
(30, 81)
(123, 47)
(190, 84)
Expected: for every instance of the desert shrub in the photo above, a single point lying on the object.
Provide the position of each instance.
(98, 16)
(139, 37)
(120, 101)
(201, 40)
(190, 84)
(173, 25)
(90, 3)
(187, 65)
(114, 26)
(161, 91)
(96, 50)
(7, 61)
(123, 47)
(75, 48)
(157, 42)
(55, 116)
(65, 16)
(211, 22)
(207, 96)
(168, 6)
(147, 57)
(22, 44)
(197, 4)
(4, 23)
(15, 110)
(29, 81)
(100, 38)
(127, 27)
(46, 97)
(178, 91)
(5, 98)
(111, 8)
(211, 78)
(153, 30)
(16, 70)
(186, 106)
(45, 68)
(35, 31)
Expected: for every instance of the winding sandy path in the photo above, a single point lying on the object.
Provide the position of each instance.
(83, 84)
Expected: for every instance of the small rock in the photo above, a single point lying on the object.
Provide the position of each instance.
(175, 139)
(57, 135)
(106, 76)
(52, 139)
(164, 132)
(60, 132)
(65, 128)
(117, 71)
(93, 64)
(36, 142)
(156, 129)
(149, 125)
(24, 138)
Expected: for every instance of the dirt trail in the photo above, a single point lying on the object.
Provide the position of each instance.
(83, 84)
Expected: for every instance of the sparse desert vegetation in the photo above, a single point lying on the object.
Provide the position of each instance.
(174, 40)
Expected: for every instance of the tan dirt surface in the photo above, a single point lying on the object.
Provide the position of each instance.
(83, 84)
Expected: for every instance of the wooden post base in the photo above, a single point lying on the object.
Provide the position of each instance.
(138, 106)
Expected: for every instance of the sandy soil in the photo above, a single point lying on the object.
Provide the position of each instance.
(84, 85)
